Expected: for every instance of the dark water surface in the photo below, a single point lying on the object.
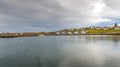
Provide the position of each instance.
(61, 51)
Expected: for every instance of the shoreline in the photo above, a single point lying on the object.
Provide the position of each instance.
(55, 35)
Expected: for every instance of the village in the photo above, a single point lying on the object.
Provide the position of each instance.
(115, 29)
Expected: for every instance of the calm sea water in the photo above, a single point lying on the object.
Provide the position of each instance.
(61, 51)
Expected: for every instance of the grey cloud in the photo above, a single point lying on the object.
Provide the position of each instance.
(30, 13)
(112, 8)
(47, 15)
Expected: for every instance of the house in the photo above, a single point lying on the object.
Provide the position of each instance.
(83, 32)
(70, 33)
(98, 28)
(106, 28)
(76, 32)
(58, 33)
(117, 28)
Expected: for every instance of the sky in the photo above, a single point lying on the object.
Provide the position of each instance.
(53, 15)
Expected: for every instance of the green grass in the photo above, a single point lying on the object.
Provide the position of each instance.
(102, 31)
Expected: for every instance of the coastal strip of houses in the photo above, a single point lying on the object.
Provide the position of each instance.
(70, 32)
(84, 31)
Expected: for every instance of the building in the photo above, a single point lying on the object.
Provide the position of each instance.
(76, 32)
(116, 26)
(70, 33)
(58, 33)
(98, 28)
(83, 31)
(106, 28)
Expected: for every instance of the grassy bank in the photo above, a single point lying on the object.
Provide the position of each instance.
(103, 31)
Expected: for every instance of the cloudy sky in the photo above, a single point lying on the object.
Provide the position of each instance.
(51, 15)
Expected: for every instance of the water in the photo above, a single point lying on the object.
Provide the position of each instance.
(61, 51)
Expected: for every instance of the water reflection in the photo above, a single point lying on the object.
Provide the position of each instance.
(83, 56)
(63, 51)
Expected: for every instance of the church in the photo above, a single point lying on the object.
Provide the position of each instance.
(116, 26)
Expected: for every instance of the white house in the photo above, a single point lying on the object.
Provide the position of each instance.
(57, 33)
(76, 32)
(83, 32)
(70, 33)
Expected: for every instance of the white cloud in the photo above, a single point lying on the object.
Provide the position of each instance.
(86, 11)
